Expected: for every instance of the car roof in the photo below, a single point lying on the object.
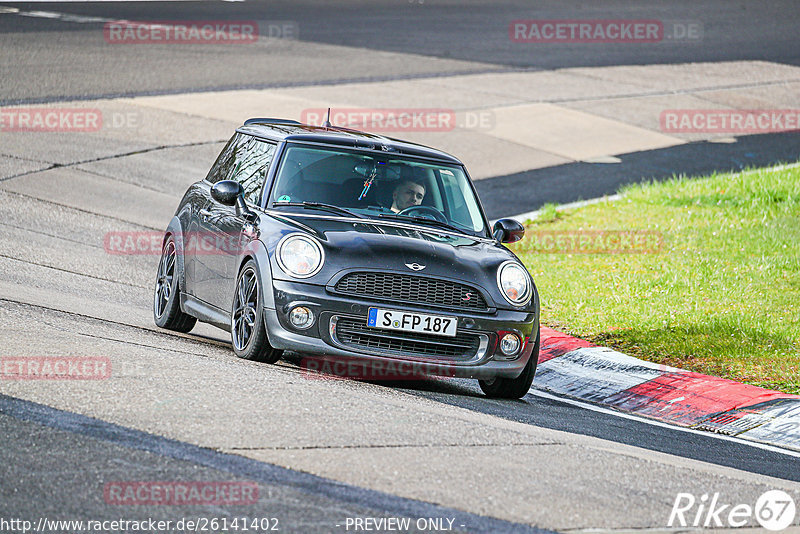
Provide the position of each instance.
(293, 131)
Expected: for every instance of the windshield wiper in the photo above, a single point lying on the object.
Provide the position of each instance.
(319, 206)
(423, 220)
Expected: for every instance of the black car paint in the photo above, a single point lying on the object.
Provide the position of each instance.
(208, 280)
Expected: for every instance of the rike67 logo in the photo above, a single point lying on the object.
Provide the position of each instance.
(774, 510)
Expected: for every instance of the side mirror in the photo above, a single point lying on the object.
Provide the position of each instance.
(226, 192)
(508, 231)
(230, 193)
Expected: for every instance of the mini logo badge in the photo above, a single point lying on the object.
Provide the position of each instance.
(415, 266)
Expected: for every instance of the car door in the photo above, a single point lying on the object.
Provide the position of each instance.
(222, 228)
(198, 272)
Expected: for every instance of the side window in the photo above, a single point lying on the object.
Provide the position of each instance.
(455, 199)
(253, 158)
(460, 201)
(221, 169)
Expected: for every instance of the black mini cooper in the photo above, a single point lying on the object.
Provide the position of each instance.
(350, 247)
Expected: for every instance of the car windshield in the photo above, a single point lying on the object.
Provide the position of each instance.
(386, 187)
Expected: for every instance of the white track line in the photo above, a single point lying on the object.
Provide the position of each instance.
(600, 409)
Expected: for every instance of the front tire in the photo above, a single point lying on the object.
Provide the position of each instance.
(248, 332)
(167, 311)
(513, 388)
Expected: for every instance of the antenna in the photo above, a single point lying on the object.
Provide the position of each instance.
(327, 123)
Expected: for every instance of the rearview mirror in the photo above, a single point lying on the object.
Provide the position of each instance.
(508, 231)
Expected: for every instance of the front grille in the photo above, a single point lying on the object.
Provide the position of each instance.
(356, 334)
(412, 290)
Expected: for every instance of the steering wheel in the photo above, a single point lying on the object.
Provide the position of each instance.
(424, 211)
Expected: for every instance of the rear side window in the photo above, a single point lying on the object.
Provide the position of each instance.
(246, 160)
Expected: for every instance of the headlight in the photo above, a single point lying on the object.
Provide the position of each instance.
(514, 283)
(300, 255)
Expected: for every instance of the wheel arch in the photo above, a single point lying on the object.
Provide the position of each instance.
(175, 230)
(257, 251)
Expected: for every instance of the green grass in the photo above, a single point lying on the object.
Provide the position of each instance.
(720, 297)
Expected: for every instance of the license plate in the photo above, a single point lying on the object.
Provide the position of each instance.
(412, 322)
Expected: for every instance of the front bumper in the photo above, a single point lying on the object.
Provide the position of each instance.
(484, 362)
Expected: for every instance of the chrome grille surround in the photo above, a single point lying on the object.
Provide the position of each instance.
(410, 289)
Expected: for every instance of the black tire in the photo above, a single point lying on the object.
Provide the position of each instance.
(248, 331)
(167, 311)
(513, 388)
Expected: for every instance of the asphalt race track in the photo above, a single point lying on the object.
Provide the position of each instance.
(443, 38)
(322, 452)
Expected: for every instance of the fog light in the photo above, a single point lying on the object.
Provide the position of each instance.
(509, 344)
(301, 317)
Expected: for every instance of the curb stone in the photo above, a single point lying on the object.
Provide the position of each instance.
(574, 367)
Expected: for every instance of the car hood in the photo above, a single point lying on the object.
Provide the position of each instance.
(387, 246)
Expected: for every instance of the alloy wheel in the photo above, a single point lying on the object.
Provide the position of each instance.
(245, 309)
(164, 280)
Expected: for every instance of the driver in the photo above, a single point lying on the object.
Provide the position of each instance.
(407, 193)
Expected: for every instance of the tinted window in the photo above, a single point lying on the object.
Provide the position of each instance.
(463, 209)
(222, 167)
(372, 185)
(253, 158)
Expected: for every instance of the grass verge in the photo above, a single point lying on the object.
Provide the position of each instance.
(697, 273)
